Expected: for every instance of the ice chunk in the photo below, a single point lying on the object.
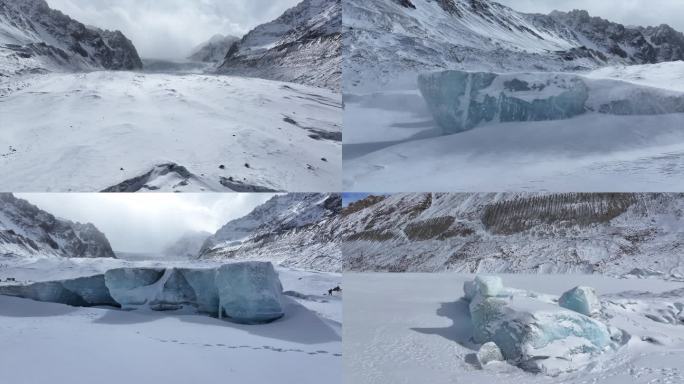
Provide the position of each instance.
(132, 287)
(92, 290)
(203, 283)
(532, 332)
(489, 352)
(489, 286)
(175, 292)
(82, 292)
(581, 300)
(469, 289)
(249, 292)
(460, 100)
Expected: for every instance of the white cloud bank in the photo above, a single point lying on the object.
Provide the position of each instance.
(147, 222)
(170, 29)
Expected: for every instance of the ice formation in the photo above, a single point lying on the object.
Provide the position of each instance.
(244, 292)
(489, 352)
(249, 292)
(532, 331)
(460, 100)
(581, 300)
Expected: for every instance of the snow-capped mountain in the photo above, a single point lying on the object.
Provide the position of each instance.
(294, 230)
(214, 50)
(508, 232)
(26, 230)
(302, 46)
(187, 246)
(36, 38)
(388, 41)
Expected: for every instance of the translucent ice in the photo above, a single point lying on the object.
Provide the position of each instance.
(203, 284)
(460, 100)
(132, 287)
(249, 292)
(84, 291)
(581, 300)
(246, 292)
(537, 335)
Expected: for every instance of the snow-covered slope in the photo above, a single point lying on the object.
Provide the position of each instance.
(508, 232)
(387, 42)
(393, 136)
(304, 346)
(302, 46)
(167, 133)
(214, 50)
(187, 246)
(36, 38)
(26, 230)
(295, 230)
(417, 328)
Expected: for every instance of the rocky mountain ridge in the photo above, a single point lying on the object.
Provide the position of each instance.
(388, 42)
(26, 230)
(301, 46)
(35, 38)
(515, 232)
(295, 230)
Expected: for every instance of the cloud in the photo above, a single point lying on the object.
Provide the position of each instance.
(629, 12)
(147, 223)
(170, 29)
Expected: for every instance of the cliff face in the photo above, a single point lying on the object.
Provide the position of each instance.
(34, 37)
(304, 45)
(527, 233)
(26, 230)
(296, 230)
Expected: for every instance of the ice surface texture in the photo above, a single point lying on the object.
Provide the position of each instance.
(245, 292)
(460, 101)
(534, 333)
(581, 300)
(249, 292)
(489, 352)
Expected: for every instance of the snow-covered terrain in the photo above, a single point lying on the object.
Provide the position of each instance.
(393, 135)
(516, 233)
(127, 132)
(304, 346)
(388, 42)
(592, 151)
(294, 230)
(304, 46)
(408, 328)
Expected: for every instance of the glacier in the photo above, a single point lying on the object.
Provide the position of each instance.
(249, 292)
(243, 292)
(462, 100)
(582, 300)
(535, 333)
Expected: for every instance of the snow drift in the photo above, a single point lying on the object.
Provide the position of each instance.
(244, 292)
